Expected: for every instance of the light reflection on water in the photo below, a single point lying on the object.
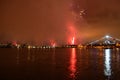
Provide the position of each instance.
(107, 69)
(29, 55)
(73, 60)
(17, 56)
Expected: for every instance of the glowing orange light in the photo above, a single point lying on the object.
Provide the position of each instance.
(73, 41)
(73, 63)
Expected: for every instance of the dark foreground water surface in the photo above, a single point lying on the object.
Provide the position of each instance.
(60, 64)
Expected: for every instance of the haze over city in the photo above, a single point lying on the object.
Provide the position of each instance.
(58, 20)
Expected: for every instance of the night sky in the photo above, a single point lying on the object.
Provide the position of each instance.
(58, 20)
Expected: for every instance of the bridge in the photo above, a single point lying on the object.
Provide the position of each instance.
(105, 42)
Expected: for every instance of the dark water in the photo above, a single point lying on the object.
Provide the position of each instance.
(60, 64)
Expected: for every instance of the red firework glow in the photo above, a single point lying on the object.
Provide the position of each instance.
(73, 41)
(53, 45)
(52, 42)
(71, 34)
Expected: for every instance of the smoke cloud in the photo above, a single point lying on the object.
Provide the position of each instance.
(34, 20)
(46, 20)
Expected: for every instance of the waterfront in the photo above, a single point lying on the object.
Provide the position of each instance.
(59, 64)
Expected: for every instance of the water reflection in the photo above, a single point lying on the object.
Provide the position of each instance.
(73, 60)
(60, 64)
(107, 69)
(53, 57)
(29, 54)
(17, 57)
